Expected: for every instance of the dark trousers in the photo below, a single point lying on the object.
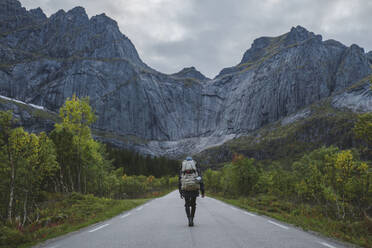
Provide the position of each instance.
(190, 205)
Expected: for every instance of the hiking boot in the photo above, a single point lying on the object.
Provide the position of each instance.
(191, 223)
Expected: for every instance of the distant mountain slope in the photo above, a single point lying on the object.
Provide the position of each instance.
(45, 60)
(329, 121)
(190, 72)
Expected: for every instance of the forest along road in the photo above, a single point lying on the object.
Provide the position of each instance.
(162, 223)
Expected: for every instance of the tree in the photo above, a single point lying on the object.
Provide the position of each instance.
(352, 180)
(66, 154)
(16, 147)
(363, 130)
(38, 165)
(46, 163)
(334, 179)
(245, 174)
(76, 117)
(6, 121)
(311, 171)
(31, 159)
(212, 179)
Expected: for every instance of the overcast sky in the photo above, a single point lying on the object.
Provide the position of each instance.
(214, 34)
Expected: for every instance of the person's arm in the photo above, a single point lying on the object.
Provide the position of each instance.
(202, 188)
(201, 183)
(179, 182)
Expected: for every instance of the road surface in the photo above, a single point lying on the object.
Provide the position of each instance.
(162, 223)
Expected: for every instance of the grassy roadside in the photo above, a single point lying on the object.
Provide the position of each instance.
(306, 217)
(64, 214)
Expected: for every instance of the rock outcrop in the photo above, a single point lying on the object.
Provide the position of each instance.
(30, 117)
(45, 60)
(191, 73)
(357, 98)
(369, 56)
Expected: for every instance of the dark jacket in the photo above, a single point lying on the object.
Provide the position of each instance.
(194, 192)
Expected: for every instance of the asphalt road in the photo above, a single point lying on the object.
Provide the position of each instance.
(162, 223)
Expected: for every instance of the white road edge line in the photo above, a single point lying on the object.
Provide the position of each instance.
(327, 245)
(99, 228)
(277, 224)
(126, 215)
(233, 208)
(250, 214)
(139, 209)
(147, 204)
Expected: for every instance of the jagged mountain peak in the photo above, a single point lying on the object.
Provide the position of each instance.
(77, 16)
(190, 72)
(64, 35)
(103, 19)
(78, 11)
(38, 13)
(44, 62)
(300, 33)
(264, 45)
(356, 48)
(59, 13)
(299, 29)
(297, 38)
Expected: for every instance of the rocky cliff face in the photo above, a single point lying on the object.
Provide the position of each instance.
(369, 56)
(327, 122)
(45, 60)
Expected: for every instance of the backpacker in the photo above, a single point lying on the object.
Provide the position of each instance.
(189, 176)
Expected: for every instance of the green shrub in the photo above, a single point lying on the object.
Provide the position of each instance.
(11, 237)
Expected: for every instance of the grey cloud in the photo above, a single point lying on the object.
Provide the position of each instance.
(211, 35)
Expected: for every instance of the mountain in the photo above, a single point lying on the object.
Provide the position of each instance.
(45, 60)
(30, 35)
(190, 72)
(329, 121)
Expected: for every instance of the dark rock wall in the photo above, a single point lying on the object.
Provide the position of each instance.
(45, 60)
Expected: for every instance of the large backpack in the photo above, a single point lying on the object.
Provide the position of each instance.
(189, 176)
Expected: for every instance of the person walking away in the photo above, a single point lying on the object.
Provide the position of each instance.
(189, 184)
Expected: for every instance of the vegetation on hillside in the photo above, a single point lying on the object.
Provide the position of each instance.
(134, 163)
(65, 163)
(286, 143)
(328, 185)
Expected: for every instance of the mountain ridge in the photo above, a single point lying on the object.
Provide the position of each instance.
(47, 62)
(190, 72)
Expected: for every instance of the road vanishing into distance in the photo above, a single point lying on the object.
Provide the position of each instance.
(162, 223)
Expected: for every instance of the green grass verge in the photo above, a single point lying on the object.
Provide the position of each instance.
(63, 214)
(305, 216)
